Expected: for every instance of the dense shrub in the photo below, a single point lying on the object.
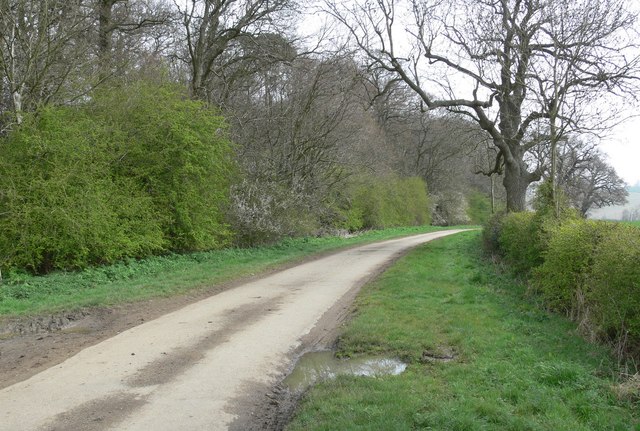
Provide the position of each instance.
(563, 279)
(587, 269)
(261, 212)
(135, 171)
(615, 286)
(491, 232)
(524, 236)
(519, 241)
(177, 149)
(61, 207)
(374, 203)
(479, 209)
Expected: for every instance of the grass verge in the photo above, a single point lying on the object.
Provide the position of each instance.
(163, 276)
(514, 368)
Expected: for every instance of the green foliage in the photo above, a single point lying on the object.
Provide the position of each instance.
(62, 207)
(375, 203)
(520, 242)
(491, 233)
(177, 149)
(479, 210)
(563, 279)
(138, 170)
(587, 269)
(615, 287)
(523, 237)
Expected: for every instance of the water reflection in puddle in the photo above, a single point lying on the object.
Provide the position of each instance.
(315, 366)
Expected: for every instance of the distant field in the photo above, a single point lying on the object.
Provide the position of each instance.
(615, 212)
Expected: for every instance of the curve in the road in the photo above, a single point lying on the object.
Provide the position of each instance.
(184, 370)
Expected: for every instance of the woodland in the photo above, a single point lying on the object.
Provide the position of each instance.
(137, 127)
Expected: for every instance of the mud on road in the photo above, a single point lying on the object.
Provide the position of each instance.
(237, 345)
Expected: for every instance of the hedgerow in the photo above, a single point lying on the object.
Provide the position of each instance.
(381, 202)
(137, 170)
(589, 270)
(614, 288)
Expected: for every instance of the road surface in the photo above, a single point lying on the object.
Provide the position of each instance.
(195, 368)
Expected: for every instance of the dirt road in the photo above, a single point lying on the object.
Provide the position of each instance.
(201, 367)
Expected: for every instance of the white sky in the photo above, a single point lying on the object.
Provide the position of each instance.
(623, 148)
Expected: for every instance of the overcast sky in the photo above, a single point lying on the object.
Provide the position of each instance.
(623, 148)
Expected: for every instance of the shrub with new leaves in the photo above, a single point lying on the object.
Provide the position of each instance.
(375, 203)
(564, 278)
(61, 205)
(519, 241)
(177, 150)
(615, 286)
(136, 170)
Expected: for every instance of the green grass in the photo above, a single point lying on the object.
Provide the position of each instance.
(163, 276)
(517, 368)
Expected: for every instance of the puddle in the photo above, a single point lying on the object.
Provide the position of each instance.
(315, 366)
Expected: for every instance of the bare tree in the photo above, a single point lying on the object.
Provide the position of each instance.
(210, 26)
(507, 64)
(37, 49)
(128, 18)
(586, 178)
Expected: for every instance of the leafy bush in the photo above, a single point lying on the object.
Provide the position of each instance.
(519, 241)
(136, 171)
(62, 208)
(479, 210)
(177, 149)
(376, 203)
(491, 232)
(615, 286)
(564, 277)
(524, 237)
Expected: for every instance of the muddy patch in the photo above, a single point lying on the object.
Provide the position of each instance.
(443, 354)
(98, 414)
(41, 324)
(176, 362)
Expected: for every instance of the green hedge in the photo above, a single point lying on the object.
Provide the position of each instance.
(615, 287)
(589, 270)
(564, 278)
(137, 170)
(382, 202)
(479, 210)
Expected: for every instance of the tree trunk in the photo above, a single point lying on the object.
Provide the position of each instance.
(516, 181)
(105, 30)
(16, 87)
(493, 194)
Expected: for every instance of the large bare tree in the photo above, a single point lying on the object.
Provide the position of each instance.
(513, 66)
(586, 178)
(128, 18)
